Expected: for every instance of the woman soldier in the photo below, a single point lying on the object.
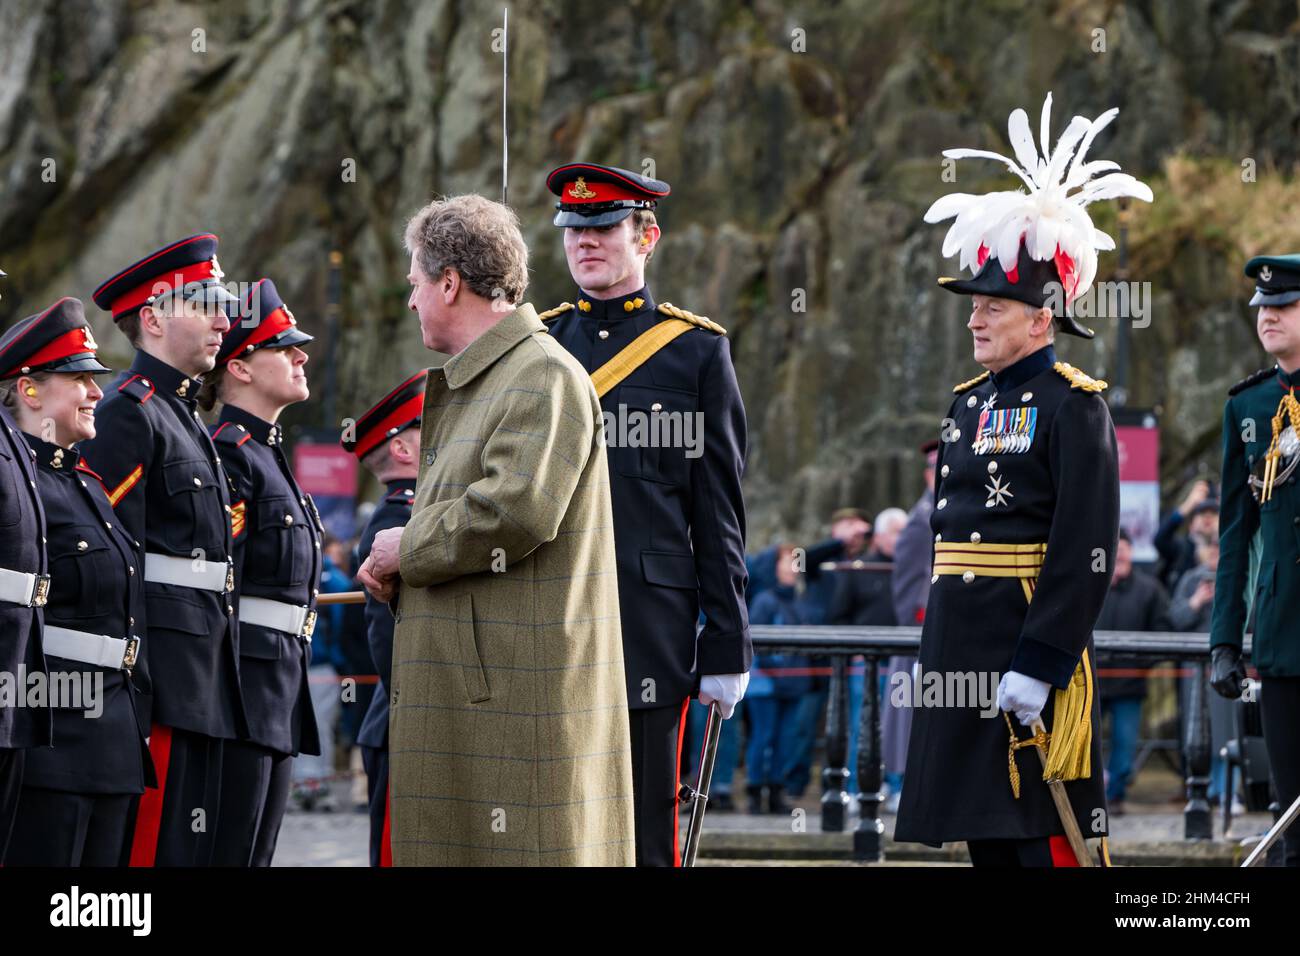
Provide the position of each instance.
(277, 562)
(77, 797)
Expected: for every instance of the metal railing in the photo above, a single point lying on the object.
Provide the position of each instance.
(877, 644)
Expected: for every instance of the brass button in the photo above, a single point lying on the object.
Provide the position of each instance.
(993, 466)
(934, 579)
(938, 537)
(944, 471)
(82, 545)
(198, 482)
(429, 457)
(603, 333)
(288, 520)
(968, 577)
(956, 434)
(229, 609)
(108, 526)
(974, 537)
(1027, 396)
(970, 402)
(130, 569)
(943, 503)
(656, 407)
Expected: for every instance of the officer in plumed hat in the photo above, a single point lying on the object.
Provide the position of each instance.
(170, 493)
(1025, 522)
(386, 440)
(1260, 499)
(679, 517)
(261, 370)
(77, 795)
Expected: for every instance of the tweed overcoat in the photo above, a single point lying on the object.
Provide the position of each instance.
(509, 741)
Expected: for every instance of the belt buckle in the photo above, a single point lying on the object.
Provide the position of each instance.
(128, 658)
(309, 625)
(41, 593)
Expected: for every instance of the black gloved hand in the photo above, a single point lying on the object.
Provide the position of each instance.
(1227, 673)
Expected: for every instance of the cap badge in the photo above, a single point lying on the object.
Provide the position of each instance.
(1266, 273)
(216, 269)
(579, 190)
(91, 345)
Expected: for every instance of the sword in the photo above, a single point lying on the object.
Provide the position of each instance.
(1271, 837)
(1055, 787)
(699, 794)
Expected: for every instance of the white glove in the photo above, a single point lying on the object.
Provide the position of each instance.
(726, 689)
(1023, 695)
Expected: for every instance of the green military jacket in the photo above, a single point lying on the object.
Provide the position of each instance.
(1264, 532)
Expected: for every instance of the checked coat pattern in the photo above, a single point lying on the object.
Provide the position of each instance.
(509, 728)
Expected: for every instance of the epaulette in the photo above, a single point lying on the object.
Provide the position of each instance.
(667, 308)
(968, 385)
(406, 496)
(137, 387)
(1254, 378)
(558, 310)
(228, 435)
(1079, 379)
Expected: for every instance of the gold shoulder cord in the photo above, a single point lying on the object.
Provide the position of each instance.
(1287, 409)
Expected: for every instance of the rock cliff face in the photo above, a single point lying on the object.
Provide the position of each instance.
(802, 144)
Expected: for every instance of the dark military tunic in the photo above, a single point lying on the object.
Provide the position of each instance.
(277, 558)
(1269, 531)
(1046, 473)
(95, 587)
(679, 521)
(169, 492)
(1275, 650)
(22, 539)
(77, 795)
(394, 511)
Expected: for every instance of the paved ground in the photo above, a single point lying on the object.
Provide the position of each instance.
(1154, 817)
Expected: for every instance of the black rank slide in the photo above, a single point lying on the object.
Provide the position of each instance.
(832, 447)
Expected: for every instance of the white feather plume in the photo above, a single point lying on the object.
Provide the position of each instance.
(1053, 214)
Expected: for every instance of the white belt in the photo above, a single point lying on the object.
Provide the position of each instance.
(278, 616)
(29, 590)
(115, 653)
(189, 572)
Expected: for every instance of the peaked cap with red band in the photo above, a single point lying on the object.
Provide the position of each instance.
(397, 411)
(592, 195)
(56, 340)
(1038, 247)
(189, 266)
(263, 321)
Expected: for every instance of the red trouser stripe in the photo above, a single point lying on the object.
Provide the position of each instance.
(386, 835)
(677, 783)
(148, 818)
(1062, 855)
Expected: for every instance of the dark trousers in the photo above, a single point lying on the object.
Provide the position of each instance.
(11, 785)
(1279, 703)
(254, 794)
(656, 778)
(1018, 854)
(375, 761)
(54, 828)
(175, 823)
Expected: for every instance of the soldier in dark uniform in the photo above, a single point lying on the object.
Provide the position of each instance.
(77, 796)
(260, 371)
(168, 490)
(387, 441)
(24, 587)
(679, 518)
(1261, 497)
(1025, 521)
